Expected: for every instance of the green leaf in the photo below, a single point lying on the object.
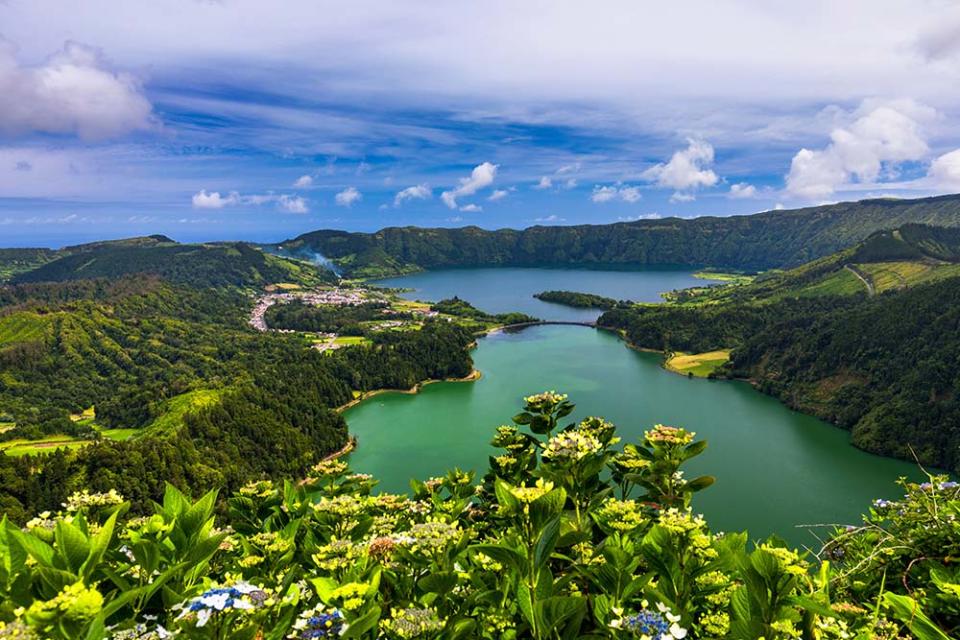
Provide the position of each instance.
(362, 624)
(98, 546)
(908, 611)
(701, 483)
(525, 602)
(561, 612)
(439, 582)
(505, 497)
(546, 542)
(505, 556)
(72, 546)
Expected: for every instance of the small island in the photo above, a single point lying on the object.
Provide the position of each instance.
(579, 300)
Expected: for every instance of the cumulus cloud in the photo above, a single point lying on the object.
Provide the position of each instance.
(617, 191)
(880, 137)
(213, 200)
(204, 199)
(687, 170)
(945, 170)
(498, 194)
(482, 176)
(682, 197)
(941, 39)
(561, 178)
(471, 208)
(416, 192)
(72, 93)
(348, 197)
(293, 204)
(742, 190)
(645, 216)
(550, 218)
(303, 181)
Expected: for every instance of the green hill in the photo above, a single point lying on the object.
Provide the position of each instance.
(752, 242)
(882, 361)
(202, 265)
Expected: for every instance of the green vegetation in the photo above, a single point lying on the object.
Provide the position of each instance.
(210, 265)
(578, 300)
(773, 239)
(16, 261)
(458, 308)
(183, 389)
(882, 366)
(565, 537)
(328, 318)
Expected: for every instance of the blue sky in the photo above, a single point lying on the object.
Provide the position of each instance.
(239, 119)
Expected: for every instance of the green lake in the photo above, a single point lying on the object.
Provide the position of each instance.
(776, 469)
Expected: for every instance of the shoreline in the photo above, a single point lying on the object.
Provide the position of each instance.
(473, 376)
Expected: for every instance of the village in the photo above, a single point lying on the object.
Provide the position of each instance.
(408, 314)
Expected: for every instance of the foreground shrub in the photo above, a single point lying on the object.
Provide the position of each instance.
(566, 536)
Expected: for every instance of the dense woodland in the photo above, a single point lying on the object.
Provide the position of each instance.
(141, 349)
(298, 316)
(885, 367)
(578, 300)
(754, 242)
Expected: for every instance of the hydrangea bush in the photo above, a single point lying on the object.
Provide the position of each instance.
(566, 536)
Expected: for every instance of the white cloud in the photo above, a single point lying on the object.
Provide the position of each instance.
(645, 216)
(416, 192)
(687, 168)
(551, 218)
(882, 136)
(348, 197)
(471, 208)
(303, 181)
(500, 194)
(945, 170)
(742, 190)
(482, 176)
(213, 200)
(72, 92)
(545, 183)
(682, 197)
(561, 178)
(293, 204)
(608, 193)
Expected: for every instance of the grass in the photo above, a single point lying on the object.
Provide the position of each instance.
(839, 283)
(178, 406)
(42, 445)
(700, 365)
(723, 276)
(351, 341)
(22, 327)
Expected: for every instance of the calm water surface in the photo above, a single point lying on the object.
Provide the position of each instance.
(508, 289)
(775, 468)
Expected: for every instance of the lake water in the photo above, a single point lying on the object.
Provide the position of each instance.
(511, 289)
(775, 468)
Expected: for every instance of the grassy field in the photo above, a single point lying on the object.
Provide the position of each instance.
(897, 275)
(352, 341)
(700, 365)
(838, 283)
(43, 445)
(22, 327)
(178, 406)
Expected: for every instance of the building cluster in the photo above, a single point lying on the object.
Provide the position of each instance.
(340, 297)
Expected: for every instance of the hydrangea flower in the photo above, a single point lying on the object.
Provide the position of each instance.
(570, 446)
(651, 625)
(669, 435)
(412, 623)
(620, 515)
(319, 622)
(84, 499)
(529, 494)
(240, 596)
(544, 402)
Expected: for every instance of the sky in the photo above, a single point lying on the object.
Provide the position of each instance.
(253, 120)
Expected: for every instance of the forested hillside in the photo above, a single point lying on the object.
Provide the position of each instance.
(209, 265)
(886, 365)
(753, 242)
(153, 374)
